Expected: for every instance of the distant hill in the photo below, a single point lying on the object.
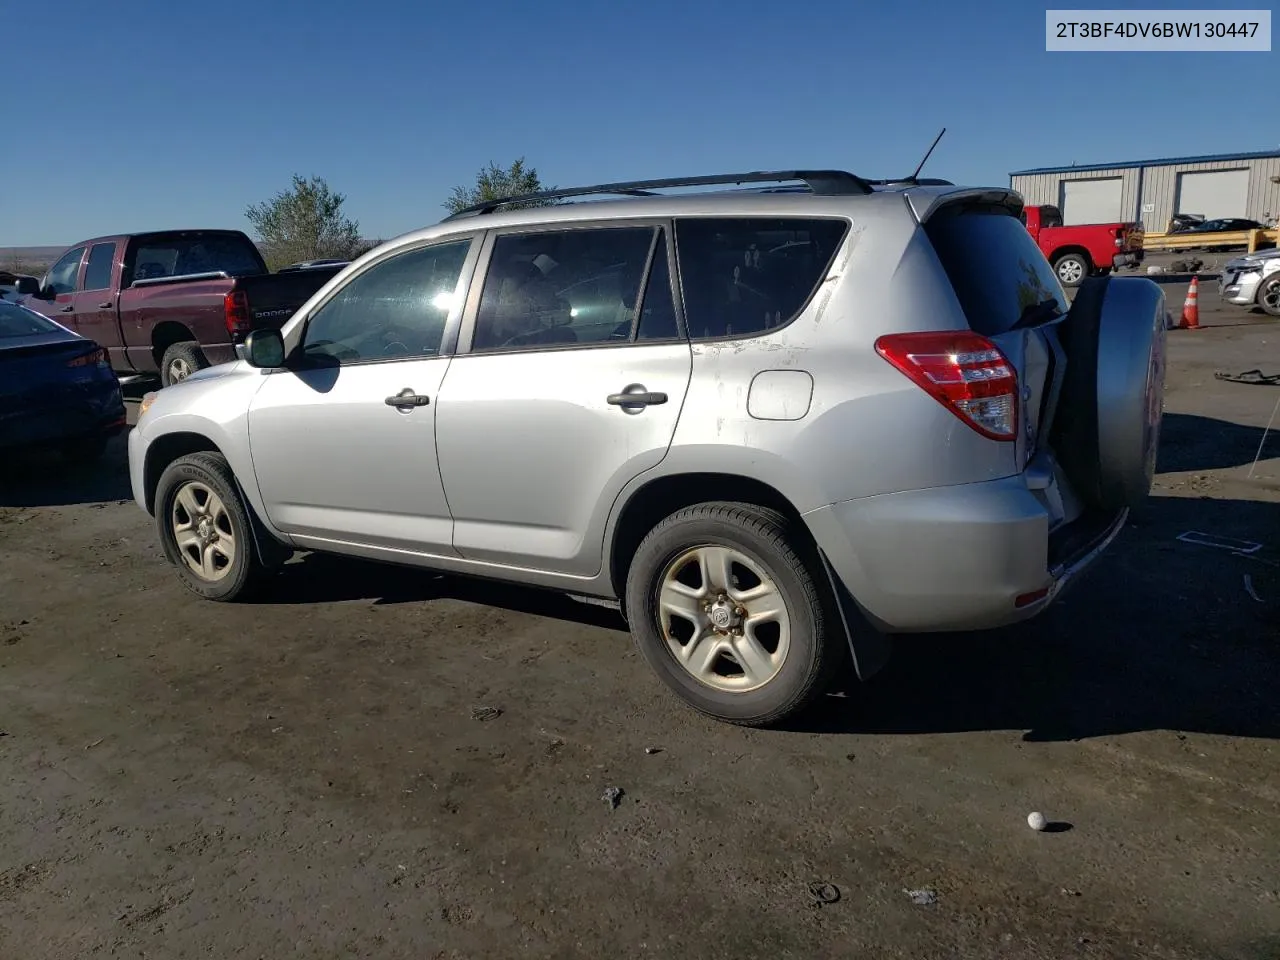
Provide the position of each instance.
(34, 254)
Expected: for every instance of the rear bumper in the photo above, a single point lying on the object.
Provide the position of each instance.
(967, 557)
(1128, 258)
(98, 413)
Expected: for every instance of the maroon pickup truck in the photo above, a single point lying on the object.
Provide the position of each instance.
(171, 302)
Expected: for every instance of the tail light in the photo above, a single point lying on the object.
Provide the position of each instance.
(93, 358)
(964, 372)
(235, 306)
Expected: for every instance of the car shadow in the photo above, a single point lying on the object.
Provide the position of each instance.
(45, 479)
(1161, 634)
(320, 578)
(1189, 442)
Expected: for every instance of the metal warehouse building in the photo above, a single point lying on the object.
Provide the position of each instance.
(1152, 191)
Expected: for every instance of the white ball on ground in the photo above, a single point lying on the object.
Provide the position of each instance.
(1037, 821)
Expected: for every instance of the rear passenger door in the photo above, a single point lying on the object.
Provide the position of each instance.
(571, 372)
(95, 311)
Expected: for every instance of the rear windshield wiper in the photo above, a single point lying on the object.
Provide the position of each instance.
(1037, 313)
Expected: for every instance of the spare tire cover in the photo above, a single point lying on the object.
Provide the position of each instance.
(1106, 429)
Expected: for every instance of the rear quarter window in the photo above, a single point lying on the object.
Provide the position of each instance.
(994, 266)
(742, 276)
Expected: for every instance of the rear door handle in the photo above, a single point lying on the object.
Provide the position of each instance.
(407, 398)
(636, 399)
(106, 306)
(69, 308)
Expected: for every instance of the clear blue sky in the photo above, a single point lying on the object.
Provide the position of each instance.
(150, 115)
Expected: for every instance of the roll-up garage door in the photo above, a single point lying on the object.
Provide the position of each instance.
(1091, 201)
(1214, 194)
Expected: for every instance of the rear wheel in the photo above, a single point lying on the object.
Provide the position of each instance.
(1269, 296)
(180, 361)
(206, 530)
(1072, 269)
(725, 608)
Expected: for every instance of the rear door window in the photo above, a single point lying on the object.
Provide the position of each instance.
(97, 275)
(562, 287)
(742, 276)
(997, 271)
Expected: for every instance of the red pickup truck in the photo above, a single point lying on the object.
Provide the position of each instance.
(170, 302)
(1078, 251)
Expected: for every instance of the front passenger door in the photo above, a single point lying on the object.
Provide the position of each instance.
(343, 439)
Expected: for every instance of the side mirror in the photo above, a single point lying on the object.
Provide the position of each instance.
(28, 287)
(264, 349)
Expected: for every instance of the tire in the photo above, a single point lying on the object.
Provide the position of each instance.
(806, 647)
(193, 478)
(1269, 296)
(86, 451)
(181, 360)
(1072, 269)
(1106, 430)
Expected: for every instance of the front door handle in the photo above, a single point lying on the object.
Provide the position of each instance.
(106, 306)
(407, 398)
(636, 399)
(69, 308)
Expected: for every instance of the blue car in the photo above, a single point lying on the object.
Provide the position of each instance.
(57, 390)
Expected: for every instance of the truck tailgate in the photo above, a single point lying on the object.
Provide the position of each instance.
(272, 298)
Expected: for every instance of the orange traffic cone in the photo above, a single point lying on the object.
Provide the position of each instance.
(1191, 308)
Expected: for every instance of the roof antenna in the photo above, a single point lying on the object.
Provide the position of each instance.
(913, 178)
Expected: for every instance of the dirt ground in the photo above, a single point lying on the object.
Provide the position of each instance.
(380, 763)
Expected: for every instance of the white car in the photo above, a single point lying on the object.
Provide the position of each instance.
(1253, 280)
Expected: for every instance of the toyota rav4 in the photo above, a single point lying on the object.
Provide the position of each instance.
(773, 425)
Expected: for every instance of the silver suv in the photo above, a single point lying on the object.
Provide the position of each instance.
(773, 425)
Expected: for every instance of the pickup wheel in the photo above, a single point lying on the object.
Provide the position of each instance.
(206, 529)
(180, 361)
(729, 614)
(1269, 296)
(1072, 269)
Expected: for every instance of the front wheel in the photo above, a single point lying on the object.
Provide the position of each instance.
(724, 607)
(205, 528)
(1269, 296)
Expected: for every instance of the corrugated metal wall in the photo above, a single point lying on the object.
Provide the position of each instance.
(1159, 188)
(1047, 187)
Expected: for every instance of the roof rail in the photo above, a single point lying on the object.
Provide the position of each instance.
(915, 182)
(828, 182)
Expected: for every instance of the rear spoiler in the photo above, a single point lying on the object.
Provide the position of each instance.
(927, 201)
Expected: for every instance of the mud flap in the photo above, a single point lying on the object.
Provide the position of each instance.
(868, 647)
(271, 552)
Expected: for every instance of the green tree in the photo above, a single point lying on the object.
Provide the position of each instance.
(497, 183)
(304, 222)
(365, 245)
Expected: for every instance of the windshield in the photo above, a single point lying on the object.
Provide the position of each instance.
(16, 321)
